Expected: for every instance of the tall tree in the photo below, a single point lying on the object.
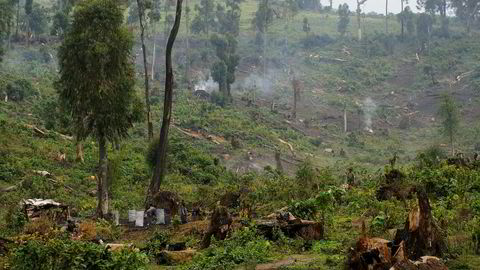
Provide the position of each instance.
(468, 11)
(141, 17)
(407, 21)
(261, 21)
(223, 71)
(290, 8)
(296, 94)
(449, 113)
(359, 17)
(424, 30)
(6, 17)
(187, 44)
(386, 16)
(28, 11)
(306, 26)
(204, 18)
(161, 153)
(343, 18)
(436, 6)
(97, 77)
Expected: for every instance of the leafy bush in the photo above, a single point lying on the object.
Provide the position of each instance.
(312, 41)
(245, 246)
(157, 243)
(327, 247)
(198, 167)
(308, 209)
(68, 254)
(20, 89)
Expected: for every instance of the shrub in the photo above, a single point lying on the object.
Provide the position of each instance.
(245, 246)
(312, 41)
(20, 89)
(68, 254)
(431, 156)
(157, 243)
(327, 247)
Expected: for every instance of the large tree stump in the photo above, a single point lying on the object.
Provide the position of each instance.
(421, 235)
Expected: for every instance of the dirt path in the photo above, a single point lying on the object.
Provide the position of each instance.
(297, 260)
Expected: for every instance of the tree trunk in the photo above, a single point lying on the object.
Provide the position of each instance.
(102, 182)
(386, 16)
(402, 20)
(359, 23)
(228, 93)
(18, 19)
(161, 153)
(80, 155)
(187, 41)
(295, 97)
(331, 4)
(141, 11)
(345, 119)
(278, 161)
(451, 145)
(153, 56)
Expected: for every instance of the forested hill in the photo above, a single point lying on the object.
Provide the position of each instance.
(284, 99)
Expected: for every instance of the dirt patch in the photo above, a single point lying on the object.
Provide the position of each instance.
(295, 260)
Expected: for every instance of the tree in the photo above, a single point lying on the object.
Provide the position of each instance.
(407, 21)
(344, 19)
(359, 13)
(187, 45)
(37, 20)
(97, 77)
(61, 19)
(434, 6)
(402, 19)
(290, 8)
(296, 94)
(263, 17)
(229, 18)
(223, 71)
(386, 16)
(306, 26)
(6, 17)
(424, 30)
(204, 18)
(468, 11)
(161, 154)
(449, 113)
(141, 7)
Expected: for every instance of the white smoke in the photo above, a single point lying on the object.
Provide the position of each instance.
(208, 85)
(369, 108)
(256, 82)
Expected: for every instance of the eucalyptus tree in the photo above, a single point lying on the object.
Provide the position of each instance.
(359, 21)
(161, 149)
(6, 18)
(141, 7)
(97, 76)
(223, 71)
(449, 113)
(262, 19)
(204, 19)
(468, 11)
(436, 6)
(343, 18)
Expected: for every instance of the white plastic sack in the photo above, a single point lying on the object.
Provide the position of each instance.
(132, 215)
(160, 214)
(139, 219)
